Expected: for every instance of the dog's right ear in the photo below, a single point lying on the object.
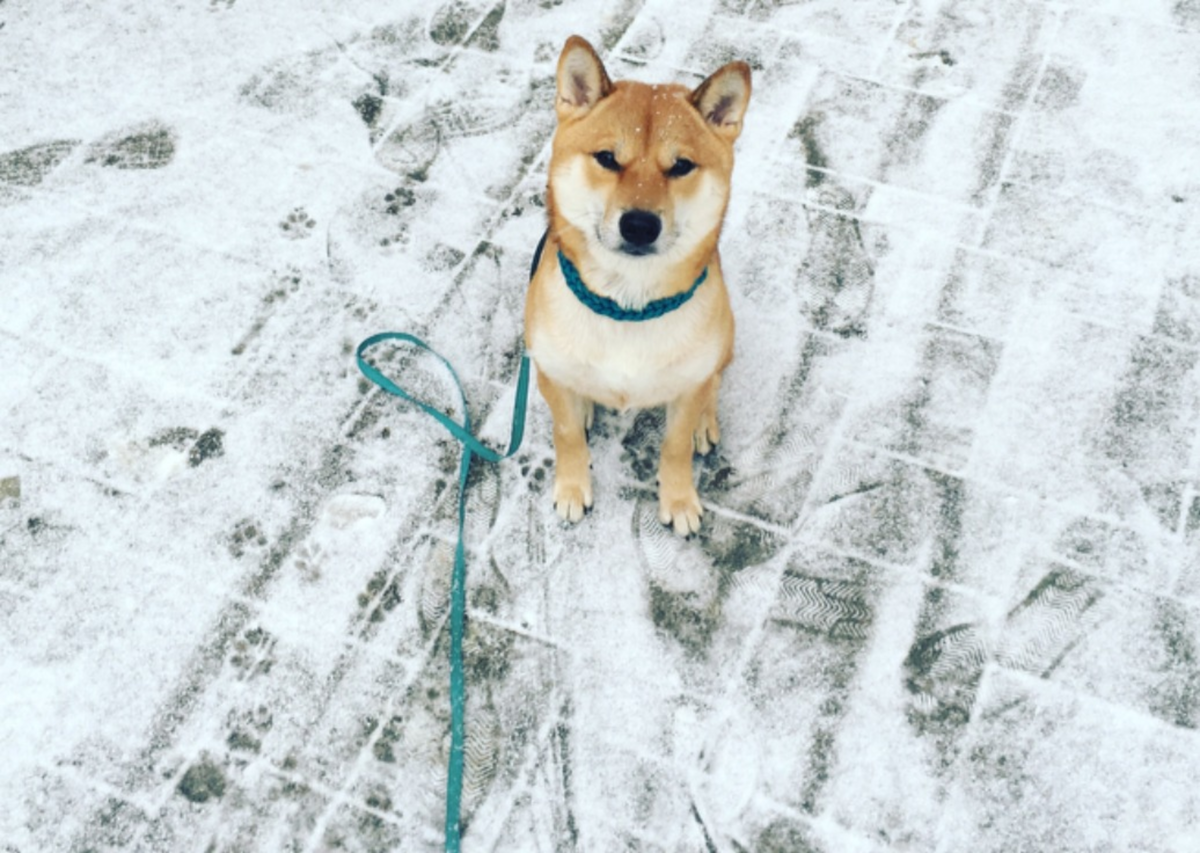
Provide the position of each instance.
(722, 99)
(582, 80)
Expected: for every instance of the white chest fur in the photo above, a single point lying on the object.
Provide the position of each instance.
(626, 364)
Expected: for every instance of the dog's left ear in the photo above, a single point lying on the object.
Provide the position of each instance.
(581, 80)
(722, 99)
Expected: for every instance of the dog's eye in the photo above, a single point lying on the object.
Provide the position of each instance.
(608, 160)
(681, 167)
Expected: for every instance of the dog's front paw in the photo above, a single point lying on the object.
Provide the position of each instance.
(680, 511)
(572, 500)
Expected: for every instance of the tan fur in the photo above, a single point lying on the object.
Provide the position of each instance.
(675, 360)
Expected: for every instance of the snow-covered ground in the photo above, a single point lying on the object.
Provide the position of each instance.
(948, 593)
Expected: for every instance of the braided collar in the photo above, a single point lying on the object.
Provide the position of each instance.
(610, 308)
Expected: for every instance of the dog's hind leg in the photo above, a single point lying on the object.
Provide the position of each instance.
(572, 461)
(708, 430)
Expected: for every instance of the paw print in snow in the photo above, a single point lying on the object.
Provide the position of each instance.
(286, 284)
(400, 236)
(642, 444)
(362, 310)
(399, 198)
(247, 728)
(309, 561)
(534, 472)
(394, 203)
(246, 536)
(298, 224)
(385, 745)
(220, 5)
(253, 653)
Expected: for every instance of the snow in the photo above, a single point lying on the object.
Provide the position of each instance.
(947, 595)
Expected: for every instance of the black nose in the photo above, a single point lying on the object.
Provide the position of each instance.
(640, 227)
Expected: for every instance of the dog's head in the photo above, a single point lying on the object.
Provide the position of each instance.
(638, 170)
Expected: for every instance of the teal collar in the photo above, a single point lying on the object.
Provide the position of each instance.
(610, 308)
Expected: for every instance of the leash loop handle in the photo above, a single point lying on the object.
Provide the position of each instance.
(460, 431)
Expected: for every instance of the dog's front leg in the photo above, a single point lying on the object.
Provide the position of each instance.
(572, 461)
(691, 421)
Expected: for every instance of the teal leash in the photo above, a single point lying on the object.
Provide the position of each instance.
(458, 581)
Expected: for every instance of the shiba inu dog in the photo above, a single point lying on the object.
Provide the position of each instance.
(628, 307)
